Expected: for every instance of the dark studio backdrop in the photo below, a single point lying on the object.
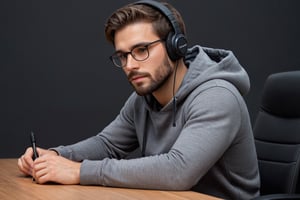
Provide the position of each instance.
(57, 80)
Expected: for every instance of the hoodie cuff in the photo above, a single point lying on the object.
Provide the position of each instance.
(61, 151)
(90, 173)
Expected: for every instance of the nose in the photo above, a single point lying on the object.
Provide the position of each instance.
(131, 63)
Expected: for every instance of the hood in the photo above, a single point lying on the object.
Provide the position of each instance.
(205, 64)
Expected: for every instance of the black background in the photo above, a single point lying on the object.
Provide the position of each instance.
(56, 78)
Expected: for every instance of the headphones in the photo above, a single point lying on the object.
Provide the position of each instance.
(176, 42)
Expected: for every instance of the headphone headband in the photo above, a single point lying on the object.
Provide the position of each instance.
(176, 43)
(163, 10)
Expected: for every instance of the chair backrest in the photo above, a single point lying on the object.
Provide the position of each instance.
(277, 133)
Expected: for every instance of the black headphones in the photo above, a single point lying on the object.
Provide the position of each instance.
(176, 42)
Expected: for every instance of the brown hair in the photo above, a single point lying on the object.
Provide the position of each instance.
(138, 12)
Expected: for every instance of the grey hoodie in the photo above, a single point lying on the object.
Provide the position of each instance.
(210, 150)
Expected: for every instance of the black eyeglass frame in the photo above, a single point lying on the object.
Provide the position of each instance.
(117, 55)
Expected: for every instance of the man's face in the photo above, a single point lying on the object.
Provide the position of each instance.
(149, 75)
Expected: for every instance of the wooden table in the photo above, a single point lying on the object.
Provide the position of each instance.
(14, 185)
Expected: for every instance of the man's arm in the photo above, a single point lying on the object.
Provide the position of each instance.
(207, 134)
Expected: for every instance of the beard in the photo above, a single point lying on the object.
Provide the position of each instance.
(160, 77)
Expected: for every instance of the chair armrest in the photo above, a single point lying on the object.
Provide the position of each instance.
(278, 197)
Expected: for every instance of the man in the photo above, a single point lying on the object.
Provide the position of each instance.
(187, 116)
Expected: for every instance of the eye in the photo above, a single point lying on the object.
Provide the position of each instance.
(122, 56)
(140, 50)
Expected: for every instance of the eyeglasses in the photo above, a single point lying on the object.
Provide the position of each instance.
(139, 52)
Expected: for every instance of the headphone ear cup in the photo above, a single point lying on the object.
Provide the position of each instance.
(170, 47)
(176, 42)
(176, 45)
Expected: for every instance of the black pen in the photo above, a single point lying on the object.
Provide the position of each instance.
(35, 153)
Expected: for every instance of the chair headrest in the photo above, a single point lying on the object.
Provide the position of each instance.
(281, 94)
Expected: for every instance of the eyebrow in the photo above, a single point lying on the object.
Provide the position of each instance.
(134, 46)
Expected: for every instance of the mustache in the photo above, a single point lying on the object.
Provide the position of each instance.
(135, 73)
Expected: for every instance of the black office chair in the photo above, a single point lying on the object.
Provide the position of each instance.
(277, 136)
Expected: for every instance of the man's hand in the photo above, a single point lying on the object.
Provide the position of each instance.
(57, 169)
(49, 167)
(25, 162)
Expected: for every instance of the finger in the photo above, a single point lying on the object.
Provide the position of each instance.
(39, 164)
(24, 169)
(43, 178)
(42, 175)
(26, 166)
(27, 157)
(39, 151)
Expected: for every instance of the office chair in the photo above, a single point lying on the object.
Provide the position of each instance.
(277, 136)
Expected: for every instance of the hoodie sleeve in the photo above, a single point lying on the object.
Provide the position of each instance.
(208, 132)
